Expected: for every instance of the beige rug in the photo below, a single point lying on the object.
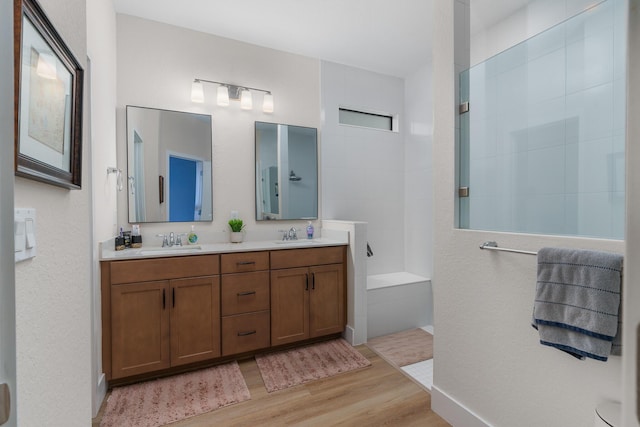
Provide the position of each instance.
(404, 348)
(301, 365)
(163, 401)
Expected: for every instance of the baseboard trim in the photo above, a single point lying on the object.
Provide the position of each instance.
(349, 335)
(100, 393)
(453, 411)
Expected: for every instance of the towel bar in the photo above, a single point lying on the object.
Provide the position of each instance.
(494, 247)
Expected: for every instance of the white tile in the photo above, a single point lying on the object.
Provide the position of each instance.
(596, 167)
(541, 213)
(590, 61)
(593, 213)
(428, 328)
(546, 77)
(422, 372)
(594, 110)
(546, 42)
(588, 23)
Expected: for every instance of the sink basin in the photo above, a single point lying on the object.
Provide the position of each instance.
(170, 250)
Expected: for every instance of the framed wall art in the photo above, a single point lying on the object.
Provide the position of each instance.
(48, 91)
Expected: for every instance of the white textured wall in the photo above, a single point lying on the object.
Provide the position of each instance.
(53, 325)
(363, 169)
(156, 65)
(101, 49)
(631, 352)
(488, 362)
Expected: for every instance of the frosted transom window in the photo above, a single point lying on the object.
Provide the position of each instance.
(365, 119)
(542, 145)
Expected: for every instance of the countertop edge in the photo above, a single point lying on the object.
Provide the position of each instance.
(107, 254)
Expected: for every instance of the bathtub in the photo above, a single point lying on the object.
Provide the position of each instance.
(396, 302)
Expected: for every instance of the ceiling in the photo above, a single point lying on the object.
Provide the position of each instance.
(392, 38)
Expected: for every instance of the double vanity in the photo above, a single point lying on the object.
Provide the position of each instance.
(167, 309)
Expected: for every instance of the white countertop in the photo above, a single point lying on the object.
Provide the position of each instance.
(108, 253)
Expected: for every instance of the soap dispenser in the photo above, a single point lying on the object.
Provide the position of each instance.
(309, 230)
(192, 237)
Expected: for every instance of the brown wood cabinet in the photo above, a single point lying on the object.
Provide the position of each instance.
(307, 302)
(195, 319)
(245, 302)
(163, 313)
(152, 325)
(139, 328)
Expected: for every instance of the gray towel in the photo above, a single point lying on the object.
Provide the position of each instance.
(577, 302)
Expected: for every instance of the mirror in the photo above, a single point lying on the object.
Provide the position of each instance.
(169, 166)
(286, 172)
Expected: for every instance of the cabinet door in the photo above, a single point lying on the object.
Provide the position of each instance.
(289, 305)
(327, 300)
(139, 328)
(195, 319)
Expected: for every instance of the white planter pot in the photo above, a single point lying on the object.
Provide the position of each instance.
(237, 236)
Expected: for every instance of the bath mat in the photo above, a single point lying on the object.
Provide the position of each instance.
(404, 348)
(163, 401)
(301, 365)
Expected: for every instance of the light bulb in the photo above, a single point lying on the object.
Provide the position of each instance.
(267, 103)
(246, 102)
(223, 96)
(197, 92)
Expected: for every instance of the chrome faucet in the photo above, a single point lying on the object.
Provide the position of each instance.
(170, 239)
(165, 242)
(293, 234)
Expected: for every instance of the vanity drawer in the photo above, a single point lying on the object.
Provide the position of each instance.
(144, 270)
(289, 258)
(245, 292)
(245, 332)
(244, 261)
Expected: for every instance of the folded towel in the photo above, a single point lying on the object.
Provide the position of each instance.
(578, 300)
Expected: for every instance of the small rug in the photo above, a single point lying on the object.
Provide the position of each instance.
(160, 402)
(301, 365)
(404, 348)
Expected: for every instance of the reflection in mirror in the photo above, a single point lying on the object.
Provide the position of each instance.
(169, 166)
(286, 172)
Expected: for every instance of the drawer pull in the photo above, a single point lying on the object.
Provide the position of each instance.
(245, 262)
(244, 294)
(244, 334)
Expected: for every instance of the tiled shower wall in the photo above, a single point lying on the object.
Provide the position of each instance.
(546, 131)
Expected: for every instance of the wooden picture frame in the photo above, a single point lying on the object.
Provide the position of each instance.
(48, 101)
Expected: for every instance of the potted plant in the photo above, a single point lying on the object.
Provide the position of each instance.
(236, 226)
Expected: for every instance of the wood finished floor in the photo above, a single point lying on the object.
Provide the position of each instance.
(379, 395)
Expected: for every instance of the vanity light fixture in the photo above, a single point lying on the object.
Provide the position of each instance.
(227, 91)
